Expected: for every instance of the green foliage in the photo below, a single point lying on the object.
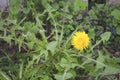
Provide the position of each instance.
(105, 36)
(116, 14)
(35, 42)
(103, 18)
(79, 5)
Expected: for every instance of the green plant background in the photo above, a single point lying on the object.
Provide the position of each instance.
(35, 42)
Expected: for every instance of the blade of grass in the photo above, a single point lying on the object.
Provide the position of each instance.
(21, 70)
(4, 75)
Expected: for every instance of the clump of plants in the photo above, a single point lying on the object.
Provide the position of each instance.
(53, 40)
(104, 18)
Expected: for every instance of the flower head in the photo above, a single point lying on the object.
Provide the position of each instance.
(80, 40)
(91, 21)
(112, 17)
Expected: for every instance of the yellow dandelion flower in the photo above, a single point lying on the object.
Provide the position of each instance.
(80, 40)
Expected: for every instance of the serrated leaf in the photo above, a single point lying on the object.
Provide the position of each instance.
(105, 36)
(30, 45)
(19, 41)
(100, 59)
(111, 70)
(52, 46)
(64, 63)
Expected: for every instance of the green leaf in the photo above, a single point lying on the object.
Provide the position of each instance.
(34, 29)
(118, 30)
(26, 10)
(14, 10)
(64, 76)
(35, 70)
(19, 41)
(21, 71)
(112, 66)
(80, 16)
(31, 27)
(30, 45)
(79, 5)
(55, 6)
(8, 39)
(111, 70)
(58, 76)
(105, 36)
(13, 21)
(64, 63)
(52, 46)
(91, 33)
(46, 78)
(116, 14)
(68, 76)
(30, 37)
(100, 59)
